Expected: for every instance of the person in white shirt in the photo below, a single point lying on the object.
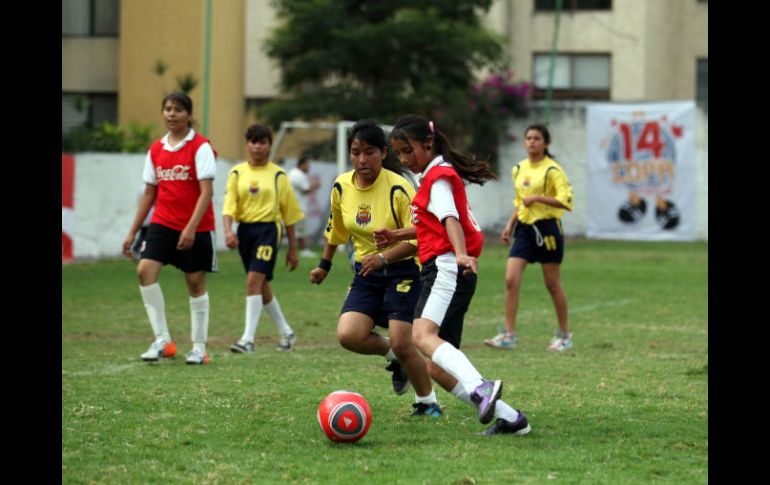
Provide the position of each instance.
(303, 186)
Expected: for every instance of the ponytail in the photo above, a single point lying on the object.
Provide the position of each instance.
(416, 128)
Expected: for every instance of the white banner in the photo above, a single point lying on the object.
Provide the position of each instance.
(641, 171)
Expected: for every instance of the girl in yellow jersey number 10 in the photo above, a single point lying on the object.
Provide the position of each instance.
(259, 196)
(386, 284)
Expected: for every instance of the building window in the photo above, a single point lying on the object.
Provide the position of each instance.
(87, 109)
(90, 18)
(702, 84)
(550, 5)
(574, 75)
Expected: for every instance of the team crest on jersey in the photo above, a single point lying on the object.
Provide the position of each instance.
(364, 214)
(526, 182)
(254, 188)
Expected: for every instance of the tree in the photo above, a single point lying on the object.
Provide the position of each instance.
(355, 59)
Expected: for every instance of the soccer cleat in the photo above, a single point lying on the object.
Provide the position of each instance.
(502, 340)
(501, 426)
(561, 342)
(629, 212)
(485, 398)
(197, 357)
(160, 349)
(287, 342)
(242, 347)
(433, 409)
(400, 378)
(307, 253)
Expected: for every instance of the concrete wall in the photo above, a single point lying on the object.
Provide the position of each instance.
(107, 188)
(492, 203)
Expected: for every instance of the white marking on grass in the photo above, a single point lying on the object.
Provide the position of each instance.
(603, 304)
(110, 369)
(594, 306)
(576, 309)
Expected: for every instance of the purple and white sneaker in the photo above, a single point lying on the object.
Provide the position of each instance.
(502, 426)
(485, 398)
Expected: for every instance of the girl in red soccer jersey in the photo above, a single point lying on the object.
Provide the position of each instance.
(448, 242)
(543, 192)
(179, 173)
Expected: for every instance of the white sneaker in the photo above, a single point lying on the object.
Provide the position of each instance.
(197, 357)
(159, 349)
(561, 342)
(287, 342)
(243, 347)
(306, 253)
(502, 340)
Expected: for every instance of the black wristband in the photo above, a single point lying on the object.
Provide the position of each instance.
(325, 265)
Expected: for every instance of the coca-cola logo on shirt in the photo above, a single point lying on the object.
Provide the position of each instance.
(177, 172)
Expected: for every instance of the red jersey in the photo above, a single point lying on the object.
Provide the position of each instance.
(432, 239)
(178, 186)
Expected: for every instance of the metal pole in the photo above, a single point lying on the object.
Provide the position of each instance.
(206, 66)
(549, 91)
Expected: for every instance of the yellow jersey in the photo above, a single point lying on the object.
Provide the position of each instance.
(356, 212)
(261, 194)
(545, 177)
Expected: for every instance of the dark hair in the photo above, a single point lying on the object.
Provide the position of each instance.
(302, 160)
(370, 132)
(256, 132)
(546, 136)
(417, 128)
(178, 97)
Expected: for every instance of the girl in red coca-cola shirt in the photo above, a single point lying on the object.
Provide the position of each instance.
(179, 173)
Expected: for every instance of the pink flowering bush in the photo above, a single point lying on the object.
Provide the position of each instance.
(493, 102)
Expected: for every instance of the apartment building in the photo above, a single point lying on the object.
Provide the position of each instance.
(120, 57)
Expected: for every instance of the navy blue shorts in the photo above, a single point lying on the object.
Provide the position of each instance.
(258, 244)
(160, 245)
(546, 248)
(385, 295)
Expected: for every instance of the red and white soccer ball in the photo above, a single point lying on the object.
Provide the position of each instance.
(344, 416)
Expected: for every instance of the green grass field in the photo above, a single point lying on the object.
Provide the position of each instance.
(627, 405)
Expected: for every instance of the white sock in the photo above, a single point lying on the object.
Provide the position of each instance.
(152, 297)
(253, 311)
(505, 411)
(390, 355)
(460, 393)
(199, 316)
(456, 363)
(429, 399)
(274, 310)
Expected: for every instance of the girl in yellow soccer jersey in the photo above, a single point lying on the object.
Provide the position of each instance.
(543, 192)
(259, 197)
(386, 285)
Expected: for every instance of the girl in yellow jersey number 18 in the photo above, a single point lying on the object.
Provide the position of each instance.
(543, 192)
